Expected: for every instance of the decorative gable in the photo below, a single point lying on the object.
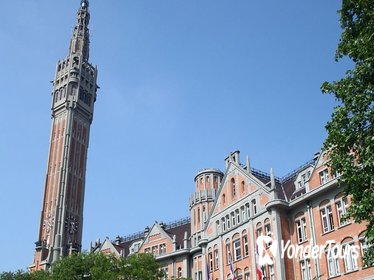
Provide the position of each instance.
(108, 248)
(236, 185)
(157, 242)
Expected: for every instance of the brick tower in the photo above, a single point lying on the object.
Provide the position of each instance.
(73, 98)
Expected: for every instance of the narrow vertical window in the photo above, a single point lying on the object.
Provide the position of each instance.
(210, 257)
(267, 227)
(248, 208)
(233, 219)
(301, 229)
(233, 188)
(237, 250)
(254, 206)
(350, 258)
(244, 214)
(342, 209)
(237, 213)
(327, 218)
(333, 262)
(216, 258)
(306, 270)
(228, 252)
(245, 245)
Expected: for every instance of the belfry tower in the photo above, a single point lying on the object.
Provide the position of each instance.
(73, 98)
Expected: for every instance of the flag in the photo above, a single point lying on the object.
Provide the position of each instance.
(258, 268)
(231, 269)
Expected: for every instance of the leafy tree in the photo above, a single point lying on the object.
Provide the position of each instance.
(141, 266)
(95, 267)
(86, 266)
(21, 275)
(108, 267)
(350, 138)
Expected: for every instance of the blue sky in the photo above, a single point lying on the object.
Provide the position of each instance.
(183, 83)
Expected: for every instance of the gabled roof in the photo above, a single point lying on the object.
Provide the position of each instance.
(257, 178)
(108, 247)
(122, 245)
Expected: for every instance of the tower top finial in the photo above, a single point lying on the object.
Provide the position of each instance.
(84, 3)
(80, 40)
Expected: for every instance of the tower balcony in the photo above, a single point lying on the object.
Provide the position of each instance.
(202, 196)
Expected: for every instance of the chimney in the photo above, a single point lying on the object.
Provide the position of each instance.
(248, 166)
(272, 178)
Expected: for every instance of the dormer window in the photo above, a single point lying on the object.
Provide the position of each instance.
(324, 176)
(303, 177)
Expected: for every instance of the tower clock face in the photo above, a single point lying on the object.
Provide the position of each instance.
(71, 224)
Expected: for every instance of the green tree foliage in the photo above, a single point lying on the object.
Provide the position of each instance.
(350, 131)
(108, 267)
(142, 266)
(95, 267)
(21, 275)
(86, 266)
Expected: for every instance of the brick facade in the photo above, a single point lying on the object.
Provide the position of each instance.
(73, 98)
(229, 210)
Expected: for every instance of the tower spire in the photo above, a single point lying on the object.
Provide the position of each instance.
(80, 40)
(74, 95)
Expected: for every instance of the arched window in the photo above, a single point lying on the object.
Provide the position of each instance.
(238, 274)
(223, 199)
(245, 243)
(179, 272)
(233, 188)
(326, 216)
(216, 257)
(248, 209)
(332, 257)
(300, 223)
(228, 251)
(254, 206)
(210, 259)
(341, 204)
(237, 247)
(363, 244)
(246, 273)
(243, 186)
(258, 230)
(198, 215)
(267, 227)
(350, 255)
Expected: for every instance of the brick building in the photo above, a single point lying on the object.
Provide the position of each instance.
(230, 209)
